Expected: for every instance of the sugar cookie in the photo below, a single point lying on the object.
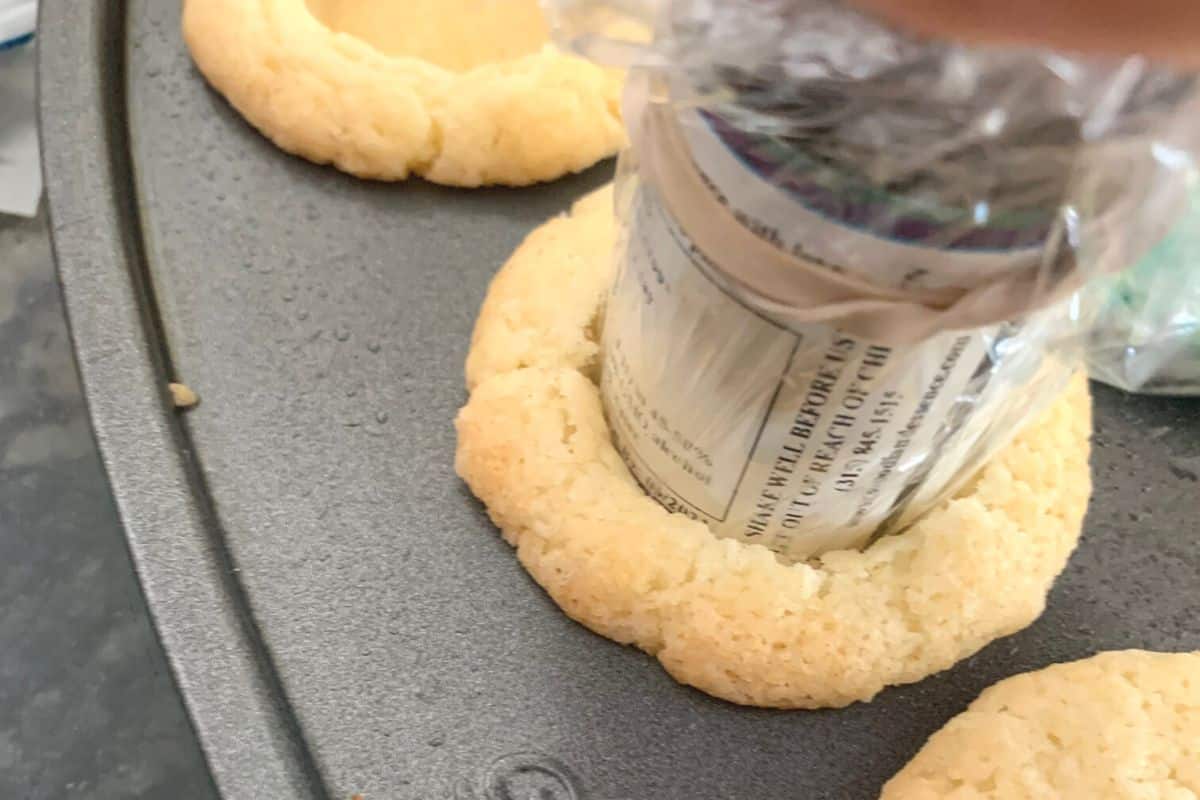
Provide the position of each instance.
(461, 92)
(1112, 727)
(726, 617)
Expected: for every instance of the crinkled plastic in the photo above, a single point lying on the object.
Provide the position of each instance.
(1147, 335)
(850, 260)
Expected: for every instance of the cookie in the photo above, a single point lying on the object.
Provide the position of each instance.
(460, 92)
(1113, 727)
(729, 618)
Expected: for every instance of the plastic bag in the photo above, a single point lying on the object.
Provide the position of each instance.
(849, 257)
(17, 21)
(1147, 335)
(20, 166)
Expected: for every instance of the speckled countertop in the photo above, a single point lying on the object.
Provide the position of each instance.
(87, 706)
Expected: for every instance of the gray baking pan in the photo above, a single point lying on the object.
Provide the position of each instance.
(340, 615)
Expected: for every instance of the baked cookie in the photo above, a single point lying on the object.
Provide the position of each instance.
(729, 618)
(1116, 726)
(461, 92)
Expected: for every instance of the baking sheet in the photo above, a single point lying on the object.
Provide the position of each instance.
(340, 614)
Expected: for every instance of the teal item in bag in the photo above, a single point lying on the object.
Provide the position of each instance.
(1147, 335)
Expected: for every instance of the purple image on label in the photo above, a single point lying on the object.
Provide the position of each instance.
(842, 195)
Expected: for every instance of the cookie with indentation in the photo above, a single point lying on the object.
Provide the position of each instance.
(461, 92)
(726, 617)
(1116, 726)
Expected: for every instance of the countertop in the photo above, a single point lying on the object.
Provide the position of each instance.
(88, 708)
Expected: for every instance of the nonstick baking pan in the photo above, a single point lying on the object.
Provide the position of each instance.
(340, 615)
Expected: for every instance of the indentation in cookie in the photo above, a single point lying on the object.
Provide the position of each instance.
(457, 35)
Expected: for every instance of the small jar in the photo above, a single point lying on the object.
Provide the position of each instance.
(922, 173)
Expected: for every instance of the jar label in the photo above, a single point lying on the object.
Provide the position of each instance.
(801, 438)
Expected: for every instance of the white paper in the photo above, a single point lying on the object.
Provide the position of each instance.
(20, 164)
(800, 438)
(17, 19)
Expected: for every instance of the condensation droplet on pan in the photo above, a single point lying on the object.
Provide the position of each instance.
(1187, 469)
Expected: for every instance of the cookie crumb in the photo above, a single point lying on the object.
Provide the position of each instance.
(182, 396)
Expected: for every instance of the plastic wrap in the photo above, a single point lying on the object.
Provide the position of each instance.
(850, 258)
(1147, 335)
(17, 21)
(20, 167)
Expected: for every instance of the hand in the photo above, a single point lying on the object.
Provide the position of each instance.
(1165, 30)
